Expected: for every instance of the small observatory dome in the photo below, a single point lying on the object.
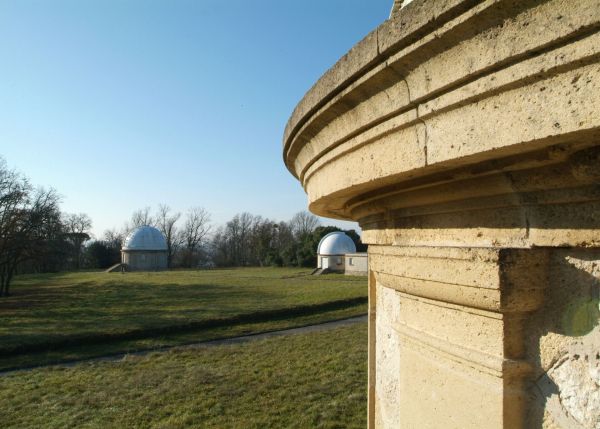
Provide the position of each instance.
(145, 249)
(336, 243)
(145, 238)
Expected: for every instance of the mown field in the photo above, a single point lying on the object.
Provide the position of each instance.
(315, 380)
(56, 317)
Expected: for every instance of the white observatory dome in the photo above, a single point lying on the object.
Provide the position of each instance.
(145, 238)
(336, 243)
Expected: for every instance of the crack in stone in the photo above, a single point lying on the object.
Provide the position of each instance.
(418, 118)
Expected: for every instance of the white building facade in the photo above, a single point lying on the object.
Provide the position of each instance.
(356, 264)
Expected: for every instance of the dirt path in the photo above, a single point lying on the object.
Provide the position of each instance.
(233, 340)
(291, 331)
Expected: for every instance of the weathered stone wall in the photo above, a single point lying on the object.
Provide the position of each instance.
(464, 136)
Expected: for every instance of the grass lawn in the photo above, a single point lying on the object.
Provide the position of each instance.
(315, 380)
(47, 310)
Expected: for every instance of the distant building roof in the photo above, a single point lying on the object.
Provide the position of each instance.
(145, 238)
(336, 243)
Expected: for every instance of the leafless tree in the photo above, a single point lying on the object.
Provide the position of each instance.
(113, 240)
(141, 217)
(246, 222)
(138, 218)
(283, 237)
(14, 191)
(303, 223)
(77, 228)
(193, 233)
(28, 220)
(113, 236)
(245, 240)
(77, 223)
(262, 241)
(166, 223)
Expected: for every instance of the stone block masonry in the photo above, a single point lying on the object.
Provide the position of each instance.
(464, 137)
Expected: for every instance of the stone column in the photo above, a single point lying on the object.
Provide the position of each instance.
(464, 137)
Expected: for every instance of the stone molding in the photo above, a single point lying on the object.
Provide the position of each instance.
(492, 279)
(464, 137)
(446, 91)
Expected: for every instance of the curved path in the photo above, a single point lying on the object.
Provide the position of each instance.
(210, 343)
(291, 331)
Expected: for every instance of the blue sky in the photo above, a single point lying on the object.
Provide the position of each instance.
(122, 104)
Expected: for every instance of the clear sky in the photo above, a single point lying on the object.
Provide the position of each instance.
(122, 104)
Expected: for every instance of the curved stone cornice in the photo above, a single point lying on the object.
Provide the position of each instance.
(456, 107)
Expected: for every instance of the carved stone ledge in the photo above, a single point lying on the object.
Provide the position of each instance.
(493, 279)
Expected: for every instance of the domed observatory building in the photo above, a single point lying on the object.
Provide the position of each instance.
(337, 253)
(145, 249)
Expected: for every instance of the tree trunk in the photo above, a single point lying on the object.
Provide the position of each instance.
(7, 283)
(2, 280)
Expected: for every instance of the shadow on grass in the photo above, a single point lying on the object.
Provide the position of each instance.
(43, 319)
(66, 315)
(92, 339)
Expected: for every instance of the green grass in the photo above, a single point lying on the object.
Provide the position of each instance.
(65, 315)
(315, 380)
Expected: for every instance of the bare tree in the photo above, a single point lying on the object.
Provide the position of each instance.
(303, 223)
(262, 241)
(29, 219)
(246, 240)
(194, 232)
(165, 222)
(14, 192)
(141, 217)
(113, 236)
(138, 218)
(245, 222)
(113, 240)
(78, 223)
(238, 234)
(77, 230)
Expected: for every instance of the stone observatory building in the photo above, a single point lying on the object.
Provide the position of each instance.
(144, 249)
(464, 137)
(337, 253)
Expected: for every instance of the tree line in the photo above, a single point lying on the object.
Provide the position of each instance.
(245, 240)
(35, 236)
(186, 236)
(248, 240)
